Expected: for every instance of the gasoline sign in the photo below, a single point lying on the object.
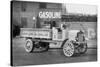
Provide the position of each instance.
(44, 14)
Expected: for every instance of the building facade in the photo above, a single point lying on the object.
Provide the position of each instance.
(35, 14)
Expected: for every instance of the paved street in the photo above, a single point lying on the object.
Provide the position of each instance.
(21, 57)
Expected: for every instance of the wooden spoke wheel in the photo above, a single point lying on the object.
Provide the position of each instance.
(29, 45)
(68, 49)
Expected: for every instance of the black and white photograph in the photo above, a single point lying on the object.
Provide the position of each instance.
(52, 33)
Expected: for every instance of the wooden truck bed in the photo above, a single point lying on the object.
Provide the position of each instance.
(36, 33)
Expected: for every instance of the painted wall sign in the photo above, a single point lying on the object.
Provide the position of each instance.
(47, 14)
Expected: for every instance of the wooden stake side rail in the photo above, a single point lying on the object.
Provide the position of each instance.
(36, 33)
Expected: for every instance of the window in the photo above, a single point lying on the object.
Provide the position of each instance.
(24, 21)
(42, 5)
(23, 7)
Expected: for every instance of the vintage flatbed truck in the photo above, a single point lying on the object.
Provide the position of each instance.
(71, 41)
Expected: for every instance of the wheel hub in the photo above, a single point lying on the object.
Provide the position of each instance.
(28, 46)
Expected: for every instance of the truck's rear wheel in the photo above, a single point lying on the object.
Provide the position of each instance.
(68, 49)
(29, 45)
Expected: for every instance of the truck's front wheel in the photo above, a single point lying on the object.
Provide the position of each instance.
(29, 45)
(68, 49)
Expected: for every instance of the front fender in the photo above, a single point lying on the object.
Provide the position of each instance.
(63, 42)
